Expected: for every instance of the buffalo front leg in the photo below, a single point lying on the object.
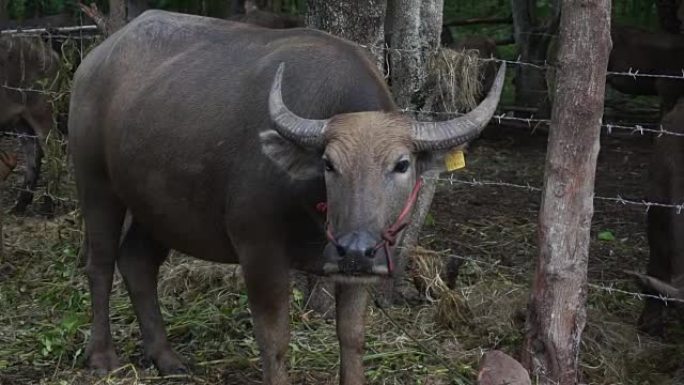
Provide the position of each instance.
(268, 291)
(352, 300)
(139, 262)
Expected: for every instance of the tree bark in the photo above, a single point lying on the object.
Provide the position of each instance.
(4, 12)
(117, 15)
(363, 22)
(556, 313)
(360, 21)
(532, 38)
(414, 35)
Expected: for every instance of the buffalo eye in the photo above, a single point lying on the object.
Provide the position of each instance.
(328, 165)
(402, 166)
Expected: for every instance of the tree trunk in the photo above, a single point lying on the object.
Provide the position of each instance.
(237, 7)
(360, 21)
(135, 8)
(667, 15)
(414, 31)
(117, 15)
(533, 40)
(363, 22)
(4, 12)
(557, 314)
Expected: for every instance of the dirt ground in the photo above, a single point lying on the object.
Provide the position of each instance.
(44, 321)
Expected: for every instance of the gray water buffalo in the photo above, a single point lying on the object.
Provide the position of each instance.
(26, 63)
(222, 140)
(647, 52)
(665, 272)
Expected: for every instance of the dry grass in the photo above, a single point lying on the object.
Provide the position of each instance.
(455, 80)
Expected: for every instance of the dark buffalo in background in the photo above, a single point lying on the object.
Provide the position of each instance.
(27, 62)
(665, 271)
(220, 139)
(656, 53)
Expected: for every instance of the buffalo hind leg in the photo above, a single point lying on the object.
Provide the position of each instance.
(351, 301)
(651, 320)
(33, 154)
(138, 263)
(103, 215)
(268, 292)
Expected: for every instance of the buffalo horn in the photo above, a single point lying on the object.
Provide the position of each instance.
(305, 132)
(429, 136)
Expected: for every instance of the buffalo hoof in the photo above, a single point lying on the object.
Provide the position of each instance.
(103, 362)
(169, 363)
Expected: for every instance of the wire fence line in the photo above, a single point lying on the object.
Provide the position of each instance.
(532, 123)
(50, 30)
(632, 72)
(637, 128)
(544, 66)
(452, 180)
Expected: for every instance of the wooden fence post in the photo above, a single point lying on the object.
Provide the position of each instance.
(557, 314)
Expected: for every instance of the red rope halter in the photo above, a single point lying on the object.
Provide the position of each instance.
(390, 233)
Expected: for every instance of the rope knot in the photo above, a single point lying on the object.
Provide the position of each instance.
(322, 207)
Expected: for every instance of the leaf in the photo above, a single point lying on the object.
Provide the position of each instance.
(606, 236)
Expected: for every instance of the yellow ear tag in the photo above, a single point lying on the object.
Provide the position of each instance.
(454, 160)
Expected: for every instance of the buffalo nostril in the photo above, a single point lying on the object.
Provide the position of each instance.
(369, 252)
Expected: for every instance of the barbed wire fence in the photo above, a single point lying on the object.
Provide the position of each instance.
(90, 32)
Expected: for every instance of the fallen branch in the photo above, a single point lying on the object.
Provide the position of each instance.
(96, 16)
(479, 20)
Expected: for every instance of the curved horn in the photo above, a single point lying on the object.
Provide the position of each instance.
(305, 132)
(451, 133)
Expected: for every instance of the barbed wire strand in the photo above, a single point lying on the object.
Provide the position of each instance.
(530, 188)
(637, 128)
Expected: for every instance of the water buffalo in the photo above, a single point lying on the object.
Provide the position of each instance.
(649, 53)
(665, 272)
(222, 140)
(26, 63)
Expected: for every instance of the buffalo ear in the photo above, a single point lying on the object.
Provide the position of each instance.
(433, 163)
(299, 162)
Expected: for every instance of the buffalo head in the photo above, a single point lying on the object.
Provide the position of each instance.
(372, 163)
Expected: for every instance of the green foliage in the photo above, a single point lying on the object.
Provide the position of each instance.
(606, 236)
